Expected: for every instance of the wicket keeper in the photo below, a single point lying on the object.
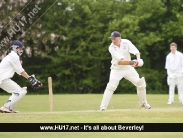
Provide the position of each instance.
(8, 66)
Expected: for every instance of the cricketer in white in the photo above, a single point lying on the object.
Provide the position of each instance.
(174, 66)
(120, 49)
(8, 66)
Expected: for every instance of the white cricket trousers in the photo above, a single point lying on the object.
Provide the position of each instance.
(115, 76)
(17, 92)
(172, 80)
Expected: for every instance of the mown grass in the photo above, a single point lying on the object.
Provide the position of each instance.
(84, 108)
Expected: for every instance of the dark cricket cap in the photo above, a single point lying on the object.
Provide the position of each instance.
(115, 34)
(17, 43)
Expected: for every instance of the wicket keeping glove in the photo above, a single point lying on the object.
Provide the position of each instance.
(34, 82)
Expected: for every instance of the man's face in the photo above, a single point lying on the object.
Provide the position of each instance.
(116, 40)
(173, 48)
(20, 51)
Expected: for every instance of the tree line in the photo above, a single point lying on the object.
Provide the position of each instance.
(68, 40)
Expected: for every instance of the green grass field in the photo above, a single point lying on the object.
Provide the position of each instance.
(84, 108)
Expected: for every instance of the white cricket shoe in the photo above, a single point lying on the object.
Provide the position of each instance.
(6, 110)
(170, 102)
(146, 105)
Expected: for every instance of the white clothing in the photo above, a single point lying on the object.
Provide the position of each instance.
(117, 53)
(177, 79)
(174, 66)
(9, 65)
(174, 63)
(119, 72)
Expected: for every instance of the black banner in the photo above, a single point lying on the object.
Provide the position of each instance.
(91, 127)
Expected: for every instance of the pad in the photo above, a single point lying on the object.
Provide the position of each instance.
(14, 98)
(111, 87)
(141, 91)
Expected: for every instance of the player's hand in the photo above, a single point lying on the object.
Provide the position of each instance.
(34, 82)
(135, 63)
(138, 63)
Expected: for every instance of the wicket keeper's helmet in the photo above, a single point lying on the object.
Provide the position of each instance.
(16, 44)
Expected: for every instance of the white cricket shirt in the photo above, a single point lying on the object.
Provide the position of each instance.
(9, 65)
(117, 53)
(174, 62)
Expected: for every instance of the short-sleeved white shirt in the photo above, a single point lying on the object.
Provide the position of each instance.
(9, 65)
(174, 63)
(117, 53)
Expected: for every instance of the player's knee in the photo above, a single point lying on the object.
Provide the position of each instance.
(112, 84)
(141, 83)
(23, 91)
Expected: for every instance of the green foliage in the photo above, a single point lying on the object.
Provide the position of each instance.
(69, 42)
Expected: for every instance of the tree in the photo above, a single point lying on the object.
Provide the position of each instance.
(68, 40)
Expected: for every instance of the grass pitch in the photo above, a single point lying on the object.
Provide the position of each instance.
(84, 108)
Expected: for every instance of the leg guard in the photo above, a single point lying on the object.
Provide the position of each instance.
(111, 87)
(141, 91)
(14, 98)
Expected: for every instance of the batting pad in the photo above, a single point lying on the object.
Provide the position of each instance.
(15, 97)
(141, 91)
(111, 87)
(141, 83)
(142, 97)
(106, 99)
